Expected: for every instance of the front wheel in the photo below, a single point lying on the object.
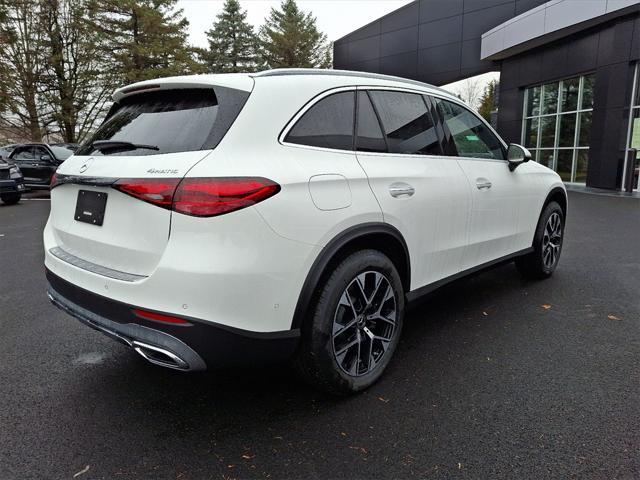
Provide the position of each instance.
(10, 198)
(547, 245)
(355, 327)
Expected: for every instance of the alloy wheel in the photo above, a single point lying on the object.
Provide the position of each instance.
(364, 323)
(552, 240)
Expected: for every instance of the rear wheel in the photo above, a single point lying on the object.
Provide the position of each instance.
(10, 198)
(355, 327)
(547, 245)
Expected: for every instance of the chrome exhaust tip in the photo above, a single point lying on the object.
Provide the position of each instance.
(159, 356)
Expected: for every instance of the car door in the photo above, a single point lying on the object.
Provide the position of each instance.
(422, 193)
(24, 157)
(44, 166)
(495, 190)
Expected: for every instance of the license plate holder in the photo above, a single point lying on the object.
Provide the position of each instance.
(90, 207)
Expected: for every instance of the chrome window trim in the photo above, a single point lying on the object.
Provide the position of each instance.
(290, 124)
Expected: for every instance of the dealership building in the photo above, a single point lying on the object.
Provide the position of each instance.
(569, 73)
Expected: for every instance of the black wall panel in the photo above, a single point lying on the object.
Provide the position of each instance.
(424, 25)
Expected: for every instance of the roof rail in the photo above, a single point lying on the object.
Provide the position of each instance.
(280, 72)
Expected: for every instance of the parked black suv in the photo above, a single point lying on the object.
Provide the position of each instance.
(38, 162)
(11, 183)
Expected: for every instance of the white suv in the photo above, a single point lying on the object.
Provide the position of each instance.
(287, 214)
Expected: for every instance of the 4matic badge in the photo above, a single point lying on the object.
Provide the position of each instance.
(163, 171)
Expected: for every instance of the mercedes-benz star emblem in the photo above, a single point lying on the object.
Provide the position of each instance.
(86, 165)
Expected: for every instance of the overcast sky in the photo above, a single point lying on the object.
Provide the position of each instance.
(336, 18)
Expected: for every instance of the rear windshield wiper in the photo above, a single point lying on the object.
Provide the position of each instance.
(105, 145)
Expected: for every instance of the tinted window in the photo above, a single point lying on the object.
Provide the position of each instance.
(471, 136)
(61, 153)
(42, 152)
(23, 153)
(172, 120)
(369, 134)
(328, 123)
(407, 123)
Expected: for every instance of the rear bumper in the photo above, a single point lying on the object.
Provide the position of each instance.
(194, 347)
(11, 186)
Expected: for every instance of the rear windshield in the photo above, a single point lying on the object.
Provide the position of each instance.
(170, 121)
(61, 153)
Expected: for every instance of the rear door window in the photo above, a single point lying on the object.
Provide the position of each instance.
(471, 136)
(408, 125)
(327, 124)
(369, 134)
(171, 121)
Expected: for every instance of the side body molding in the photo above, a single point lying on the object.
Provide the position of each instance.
(328, 253)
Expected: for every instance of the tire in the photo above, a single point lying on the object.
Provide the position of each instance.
(547, 245)
(10, 198)
(338, 319)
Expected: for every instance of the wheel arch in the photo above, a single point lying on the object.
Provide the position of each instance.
(559, 195)
(378, 236)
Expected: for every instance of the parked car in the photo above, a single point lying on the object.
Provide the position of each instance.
(38, 162)
(11, 183)
(287, 214)
(6, 150)
(68, 146)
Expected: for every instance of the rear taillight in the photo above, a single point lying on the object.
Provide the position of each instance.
(54, 180)
(200, 197)
(158, 191)
(208, 197)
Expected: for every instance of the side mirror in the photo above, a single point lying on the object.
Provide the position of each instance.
(46, 158)
(517, 155)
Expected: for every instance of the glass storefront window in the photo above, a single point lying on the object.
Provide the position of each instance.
(545, 157)
(549, 98)
(531, 138)
(585, 129)
(557, 125)
(587, 92)
(567, 130)
(533, 105)
(565, 162)
(547, 132)
(570, 89)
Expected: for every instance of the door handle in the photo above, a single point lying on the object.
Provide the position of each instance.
(483, 184)
(401, 190)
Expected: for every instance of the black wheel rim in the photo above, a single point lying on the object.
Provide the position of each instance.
(552, 241)
(364, 323)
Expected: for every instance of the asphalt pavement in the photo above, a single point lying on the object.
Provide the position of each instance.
(495, 377)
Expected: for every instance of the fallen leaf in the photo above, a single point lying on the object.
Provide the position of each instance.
(459, 466)
(546, 306)
(248, 457)
(343, 434)
(84, 470)
(612, 317)
(485, 314)
(385, 400)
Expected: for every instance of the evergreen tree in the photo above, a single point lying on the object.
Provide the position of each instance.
(290, 38)
(147, 38)
(232, 42)
(487, 101)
